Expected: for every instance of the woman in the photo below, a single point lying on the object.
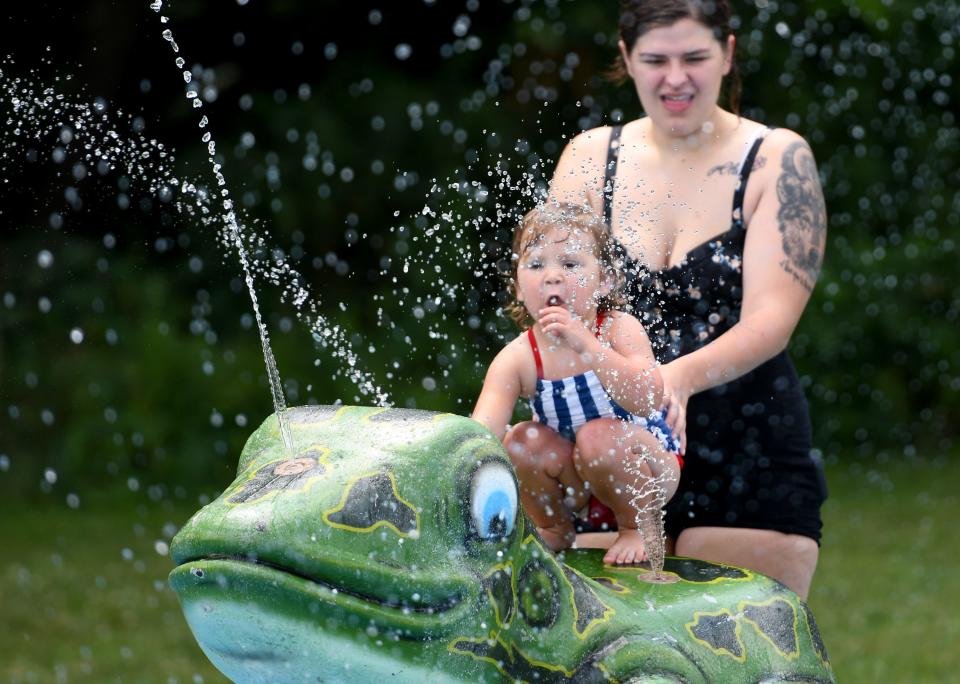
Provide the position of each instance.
(722, 226)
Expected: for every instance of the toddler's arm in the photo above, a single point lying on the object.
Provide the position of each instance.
(501, 389)
(628, 369)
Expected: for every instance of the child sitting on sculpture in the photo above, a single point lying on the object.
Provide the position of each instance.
(589, 374)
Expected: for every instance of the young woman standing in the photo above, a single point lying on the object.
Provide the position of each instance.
(721, 225)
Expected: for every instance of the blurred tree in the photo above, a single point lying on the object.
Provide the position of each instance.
(383, 155)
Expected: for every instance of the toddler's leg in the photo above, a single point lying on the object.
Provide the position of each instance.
(634, 475)
(550, 488)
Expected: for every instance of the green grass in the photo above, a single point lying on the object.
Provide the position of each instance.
(83, 593)
(84, 598)
(887, 591)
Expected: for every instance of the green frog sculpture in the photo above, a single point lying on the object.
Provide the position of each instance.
(391, 546)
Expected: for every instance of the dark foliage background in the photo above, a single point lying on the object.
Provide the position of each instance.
(333, 141)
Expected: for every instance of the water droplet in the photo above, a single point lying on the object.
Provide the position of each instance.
(76, 335)
(44, 258)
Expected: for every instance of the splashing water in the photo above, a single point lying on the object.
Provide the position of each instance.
(234, 236)
(451, 233)
(239, 237)
(648, 498)
(38, 113)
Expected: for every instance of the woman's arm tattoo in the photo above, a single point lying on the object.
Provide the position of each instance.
(802, 215)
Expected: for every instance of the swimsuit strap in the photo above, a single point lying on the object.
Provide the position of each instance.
(744, 175)
(610, 173)
(536, 350)
(536, 353)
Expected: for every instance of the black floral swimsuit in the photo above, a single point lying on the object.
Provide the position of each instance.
(748, 461)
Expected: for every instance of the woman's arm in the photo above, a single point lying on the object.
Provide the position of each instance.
(501, 389)
(782, 256)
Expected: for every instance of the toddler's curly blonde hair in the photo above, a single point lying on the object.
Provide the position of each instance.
(564, 216)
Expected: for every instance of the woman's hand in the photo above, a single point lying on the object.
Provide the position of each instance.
(675, 396)
(559, 322)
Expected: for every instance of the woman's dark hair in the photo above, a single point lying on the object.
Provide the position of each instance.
(550, 217)
(639, 16)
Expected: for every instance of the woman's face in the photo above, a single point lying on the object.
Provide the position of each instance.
(678, 70)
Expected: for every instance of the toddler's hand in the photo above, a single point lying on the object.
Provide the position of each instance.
(570, 329)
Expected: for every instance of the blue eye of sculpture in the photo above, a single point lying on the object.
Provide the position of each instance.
(493, 501)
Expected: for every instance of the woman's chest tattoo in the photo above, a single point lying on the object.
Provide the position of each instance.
(731, 168)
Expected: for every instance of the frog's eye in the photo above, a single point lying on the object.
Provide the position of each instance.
(493, 501)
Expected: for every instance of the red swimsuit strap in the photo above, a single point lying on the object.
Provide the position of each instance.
(536, 350)
(536, 353)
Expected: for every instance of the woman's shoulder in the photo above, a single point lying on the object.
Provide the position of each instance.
(580, 172)
(600, 133)
(786, 152)
(781, 139)
(593, 141)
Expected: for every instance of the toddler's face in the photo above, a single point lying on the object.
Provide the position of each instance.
(560, 267)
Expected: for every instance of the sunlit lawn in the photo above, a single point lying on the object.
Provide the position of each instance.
(83, 594)
(84, 597)
(887, 592)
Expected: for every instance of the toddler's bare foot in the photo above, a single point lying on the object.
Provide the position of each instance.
(558, 537)
(627, 549)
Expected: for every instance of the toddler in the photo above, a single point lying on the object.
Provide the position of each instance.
(589, 374)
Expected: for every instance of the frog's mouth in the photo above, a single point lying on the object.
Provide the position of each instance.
(373, 599)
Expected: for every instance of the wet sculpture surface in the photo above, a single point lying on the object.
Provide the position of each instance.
(391, 544)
